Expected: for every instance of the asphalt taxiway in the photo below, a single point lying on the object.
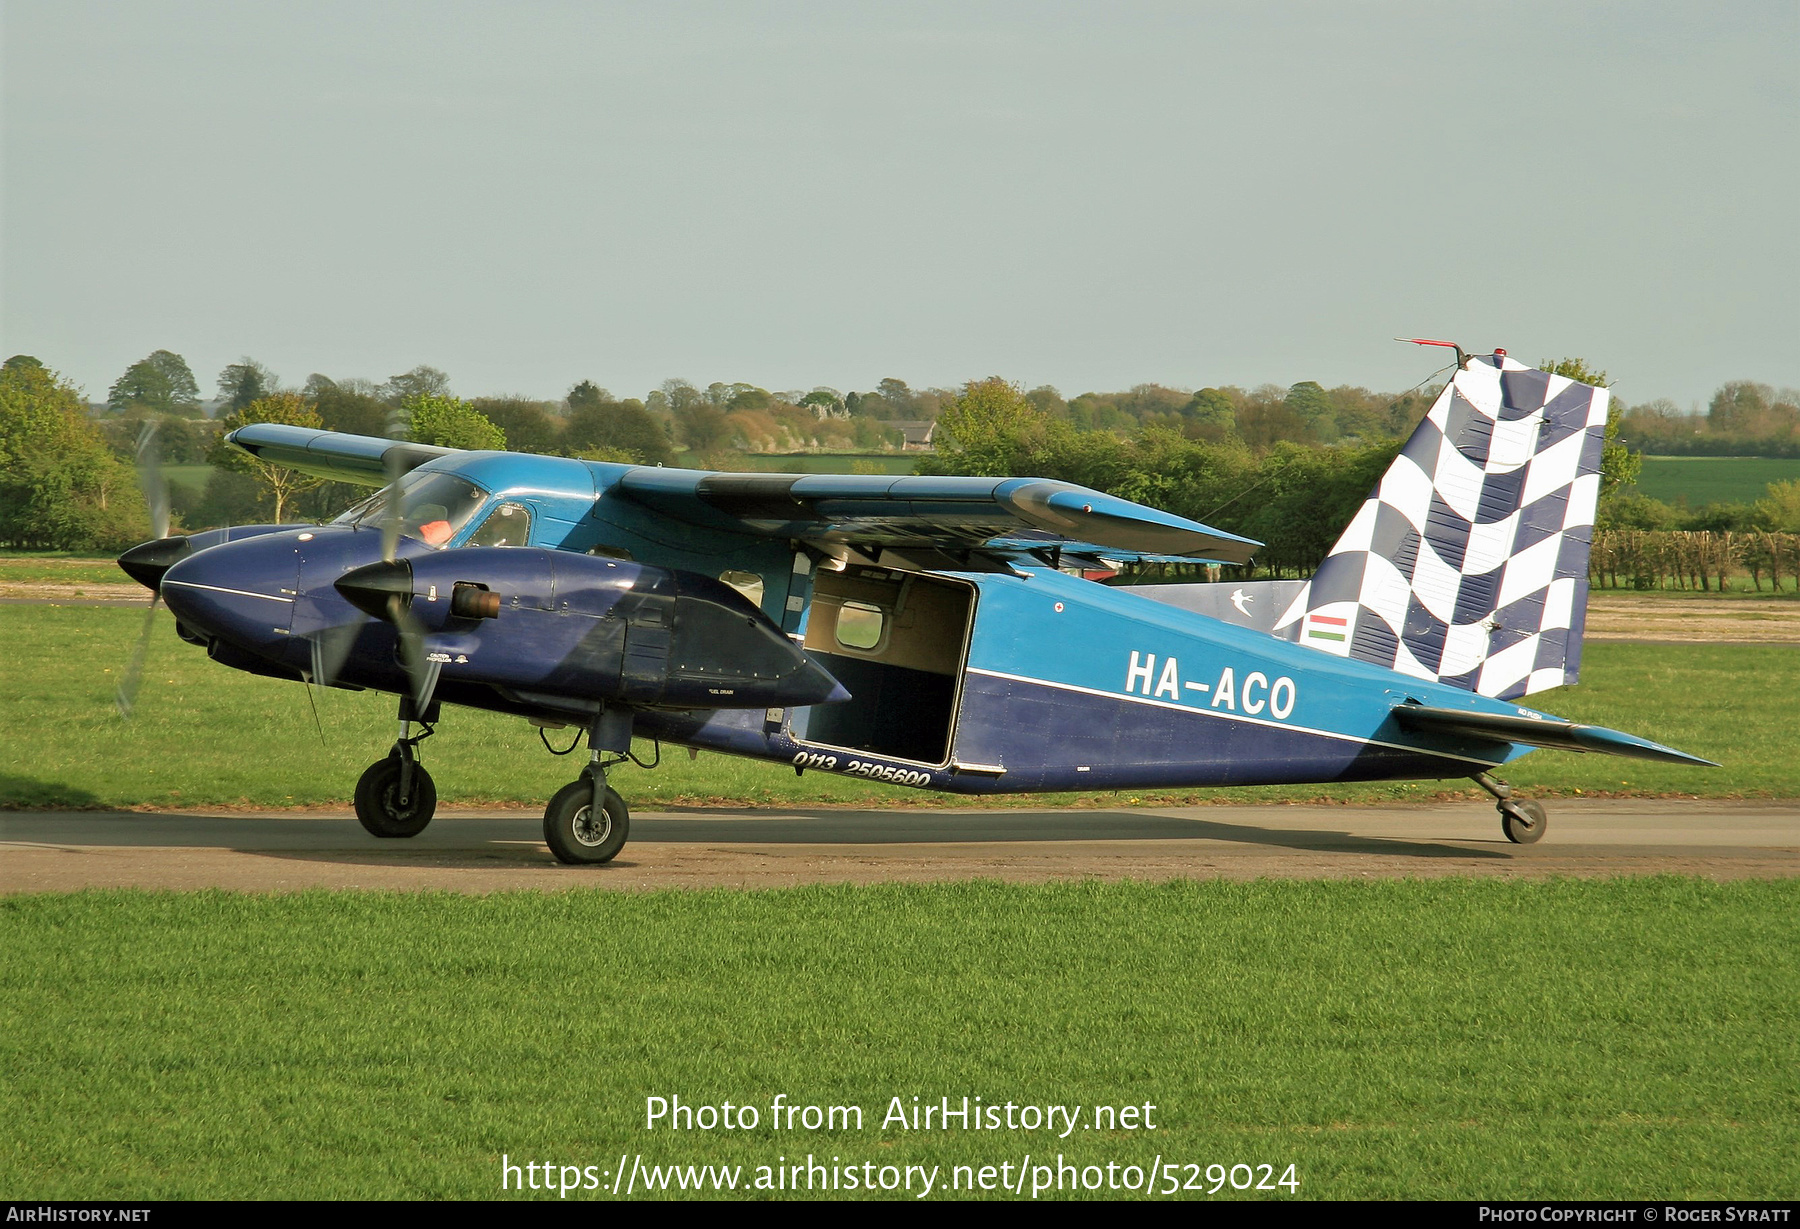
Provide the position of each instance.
(485, 851)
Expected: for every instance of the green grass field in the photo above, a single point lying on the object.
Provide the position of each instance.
(1707, 480)
(1428, 1039)
(207, 736)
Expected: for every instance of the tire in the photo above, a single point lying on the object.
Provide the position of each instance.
(378, 800)
(1524, 822)
(569, 832)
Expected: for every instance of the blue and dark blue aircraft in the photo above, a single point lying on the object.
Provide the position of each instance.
(927, 630)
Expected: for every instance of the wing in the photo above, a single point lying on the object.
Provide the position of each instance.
(364, 459)
(932, 518)
(1539, 732)
(924, 513)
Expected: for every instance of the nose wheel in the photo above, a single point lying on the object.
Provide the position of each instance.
(396, 797)
(389, 806)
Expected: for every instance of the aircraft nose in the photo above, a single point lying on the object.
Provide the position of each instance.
(146, 562)
(372, 587)
(242, 592)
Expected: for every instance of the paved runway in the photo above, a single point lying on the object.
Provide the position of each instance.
(495, 850)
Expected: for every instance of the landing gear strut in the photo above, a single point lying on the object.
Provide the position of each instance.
(587, 822)
(396, 796)
(1522, 819)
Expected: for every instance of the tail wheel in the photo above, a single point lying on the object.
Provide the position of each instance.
(380, 807)
(579, 836)
(1524, 822)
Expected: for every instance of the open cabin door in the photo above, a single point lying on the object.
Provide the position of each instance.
(897, 641)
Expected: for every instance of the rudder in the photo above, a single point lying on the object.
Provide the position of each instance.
(1468, 562)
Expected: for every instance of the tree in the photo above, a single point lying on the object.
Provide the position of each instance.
(702, 426)
(587, 393)
(617, 430)
(1312, 405)
(160, 383)
(681, 394)
(421, 381)
(1211, 414)
(1619, 466)
(527, 425)
(897, 395)
(823, 401)
(1779, 509)
(243, 382)
(987, 430)
(341, 407)
(450, 423)
(60, 488)
(280, 483)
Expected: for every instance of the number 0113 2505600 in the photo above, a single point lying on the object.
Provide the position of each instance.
(861, 768)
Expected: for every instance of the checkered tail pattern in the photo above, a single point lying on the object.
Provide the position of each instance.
(1468, 562)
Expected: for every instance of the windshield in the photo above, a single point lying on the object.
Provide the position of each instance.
(433, 506)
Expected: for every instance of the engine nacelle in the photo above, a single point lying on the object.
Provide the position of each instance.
(595, 629)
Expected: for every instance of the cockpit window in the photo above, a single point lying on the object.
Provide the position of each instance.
(507, 525)
(432, 506)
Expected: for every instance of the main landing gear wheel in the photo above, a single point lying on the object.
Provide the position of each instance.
(382, 808)
(1523, 821)
(577, 835)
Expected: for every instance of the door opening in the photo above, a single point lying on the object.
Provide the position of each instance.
(896, 640)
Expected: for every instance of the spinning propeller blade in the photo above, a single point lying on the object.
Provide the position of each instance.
(422, 672)
(156, 497)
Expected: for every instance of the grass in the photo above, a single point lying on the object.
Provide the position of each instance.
(1698, 481)
(38, 568)
(1447, 1039)
(208, 736)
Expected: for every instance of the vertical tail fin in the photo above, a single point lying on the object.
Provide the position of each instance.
(1468, 562)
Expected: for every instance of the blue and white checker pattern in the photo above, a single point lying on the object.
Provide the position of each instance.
(1468, 562)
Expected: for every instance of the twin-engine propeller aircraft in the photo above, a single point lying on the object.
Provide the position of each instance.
(920, 630)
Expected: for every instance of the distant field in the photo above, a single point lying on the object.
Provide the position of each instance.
(205, 735)
(193, 477)
(1708, 480)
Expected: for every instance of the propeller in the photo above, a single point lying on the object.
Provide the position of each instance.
(383, 591)
(148, 456)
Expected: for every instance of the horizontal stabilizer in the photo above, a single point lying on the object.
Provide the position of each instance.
(364, 459)
(945, 513)
(1549, 732)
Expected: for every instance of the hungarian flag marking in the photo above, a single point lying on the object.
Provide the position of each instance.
(1324, 627)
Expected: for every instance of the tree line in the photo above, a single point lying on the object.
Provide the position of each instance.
(1285, 465)
(1744, 419)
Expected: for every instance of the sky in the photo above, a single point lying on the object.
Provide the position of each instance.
(1089, 196)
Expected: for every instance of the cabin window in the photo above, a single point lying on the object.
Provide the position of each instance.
(747, 583)
(506, 525)
(859, 625)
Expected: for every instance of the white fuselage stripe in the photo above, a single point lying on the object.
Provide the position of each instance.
(1204, 712)
(267, 597)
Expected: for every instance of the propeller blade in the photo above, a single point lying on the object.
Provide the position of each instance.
(151, 479)
(134, 671)
(422, 671)
(390, 517)
(331, 649)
